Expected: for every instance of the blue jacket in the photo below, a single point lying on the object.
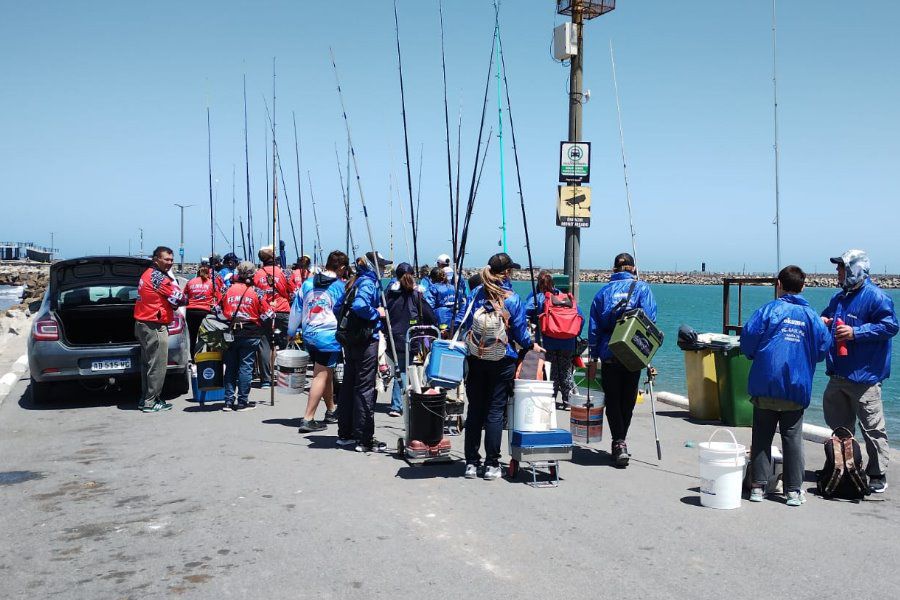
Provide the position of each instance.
(534, 310)
(518, 323)
(604, 311)
(226, 274)
(440, 296)
(367, 300)
(871, 314)
(315, 305)
(784, 339)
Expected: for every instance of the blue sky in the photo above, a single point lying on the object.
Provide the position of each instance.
(103, 124)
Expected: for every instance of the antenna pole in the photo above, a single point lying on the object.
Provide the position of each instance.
(775, 119)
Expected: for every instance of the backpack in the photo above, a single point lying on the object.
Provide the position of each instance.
(842, 476)
(351, 329)
(531, 365)
(560, 318)
(487, 338)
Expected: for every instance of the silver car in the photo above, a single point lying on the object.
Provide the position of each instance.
(84, 330)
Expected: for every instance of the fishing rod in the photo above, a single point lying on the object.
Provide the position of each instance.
(350, 242)
(349, 235)
(500, 128)
(299, 191)
(412, 210)
(268, 197)
(287, 200)
(362, 201)
(515, 148)
(212, 230)
(455, 224)
(419, 189)
(470, 205)
(775, 120)
(447, 131)
(487, 147)
(612, 58)
(232, 207)
(393, 188)
(312, 198)
(248, 251)
(243, 243)
(275, 245)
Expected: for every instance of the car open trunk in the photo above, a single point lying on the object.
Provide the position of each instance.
(98, 325)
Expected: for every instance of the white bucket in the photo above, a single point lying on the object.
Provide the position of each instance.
(533, 406)
(721, 472)
(290, 371)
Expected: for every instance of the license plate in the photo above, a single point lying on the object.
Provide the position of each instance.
(114, 364)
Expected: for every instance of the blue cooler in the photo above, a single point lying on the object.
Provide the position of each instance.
(446, 365)
(539, 449)
(203, 396)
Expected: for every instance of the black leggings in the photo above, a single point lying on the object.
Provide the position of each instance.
(194, 316)
(620, 388)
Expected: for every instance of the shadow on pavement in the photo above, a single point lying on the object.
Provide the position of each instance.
(591, 457)
(295, 422)
(204, 408)
(693, 499)
(66, 395)
(684, 416)
(452, 470)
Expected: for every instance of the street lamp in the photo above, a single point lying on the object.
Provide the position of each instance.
(181, 245)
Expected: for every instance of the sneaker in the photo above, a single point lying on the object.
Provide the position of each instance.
(471, 472)
(394, 413)
(492, 473)
(228, 407)
(311, 426)
(372, 446)
(245, 406)
(345, 442)
(796, 498)
(330, 418)
(878, 484)
(620, 454)
(154, 408)
(264, 386)
(757, 494)
(164, 405)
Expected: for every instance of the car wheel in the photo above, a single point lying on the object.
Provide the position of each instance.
(40, 391)
(178, 384)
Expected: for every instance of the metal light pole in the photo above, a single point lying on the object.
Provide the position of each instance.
(580, 11)
(181, 245)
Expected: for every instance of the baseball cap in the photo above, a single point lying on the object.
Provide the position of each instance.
(848, 257)
(382, 262)
(623, 260)
(502, 262)
(402, 269)
(443, 260)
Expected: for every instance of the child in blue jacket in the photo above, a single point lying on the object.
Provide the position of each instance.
(784, 339)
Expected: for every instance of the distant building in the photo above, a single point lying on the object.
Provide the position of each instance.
(26, 251)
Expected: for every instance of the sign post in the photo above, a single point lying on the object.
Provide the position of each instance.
(573, 208)
(575, 162)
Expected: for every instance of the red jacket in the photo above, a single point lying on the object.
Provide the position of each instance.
(246, 305)
(158, 296)
(201, 294)
(298, 276)
(279, 294)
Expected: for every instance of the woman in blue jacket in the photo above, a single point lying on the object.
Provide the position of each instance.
(440, 296)
(620, 386)
(489, 382)
(559, 351)
(784, 339)
(356, 403)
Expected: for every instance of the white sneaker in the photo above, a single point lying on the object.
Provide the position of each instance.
(491, 473)
(796, 498)
(757, 494)
(471, 472)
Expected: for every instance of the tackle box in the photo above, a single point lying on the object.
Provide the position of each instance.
(535, 446)
(635, 339)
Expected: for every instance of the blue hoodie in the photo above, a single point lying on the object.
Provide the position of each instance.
(367, 300)
(518, 323)
(534, 310)
(440, 297)
(315, 304)
(870, 312)
(784, 339)
(604, 311)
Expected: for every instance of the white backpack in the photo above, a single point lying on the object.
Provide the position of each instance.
(487, 338)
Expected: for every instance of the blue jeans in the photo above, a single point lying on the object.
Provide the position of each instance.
(239, 359)
(399, 386)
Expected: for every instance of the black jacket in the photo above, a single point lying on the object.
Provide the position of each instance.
(405, 310)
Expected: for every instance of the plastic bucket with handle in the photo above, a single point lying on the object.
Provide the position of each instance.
(722, 467)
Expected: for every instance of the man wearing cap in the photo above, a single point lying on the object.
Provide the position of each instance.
(863, 321)
(279, 291)
(620, 386)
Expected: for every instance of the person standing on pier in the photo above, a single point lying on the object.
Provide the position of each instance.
(279, 290)
(202, 294)
(158, 297)
(620, 386)
(784, 339)
(863, 321)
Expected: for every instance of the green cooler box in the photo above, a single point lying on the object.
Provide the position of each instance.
(732, 373)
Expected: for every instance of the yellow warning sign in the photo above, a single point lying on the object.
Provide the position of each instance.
(573, 208)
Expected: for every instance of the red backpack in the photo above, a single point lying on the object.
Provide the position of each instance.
(560, 318)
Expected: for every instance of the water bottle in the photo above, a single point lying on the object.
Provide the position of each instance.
(842, 345)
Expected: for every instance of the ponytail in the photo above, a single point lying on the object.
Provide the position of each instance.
(407, 283)
(493, 286)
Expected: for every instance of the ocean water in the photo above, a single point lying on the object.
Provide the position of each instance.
(700, 306)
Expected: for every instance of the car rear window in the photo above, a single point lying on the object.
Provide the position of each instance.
(98, 295)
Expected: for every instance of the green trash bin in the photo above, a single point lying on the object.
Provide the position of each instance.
(733, 373)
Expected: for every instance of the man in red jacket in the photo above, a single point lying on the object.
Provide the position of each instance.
(278, 289)
(154, 310)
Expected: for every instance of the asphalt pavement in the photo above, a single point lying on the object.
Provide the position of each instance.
(102, 501)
